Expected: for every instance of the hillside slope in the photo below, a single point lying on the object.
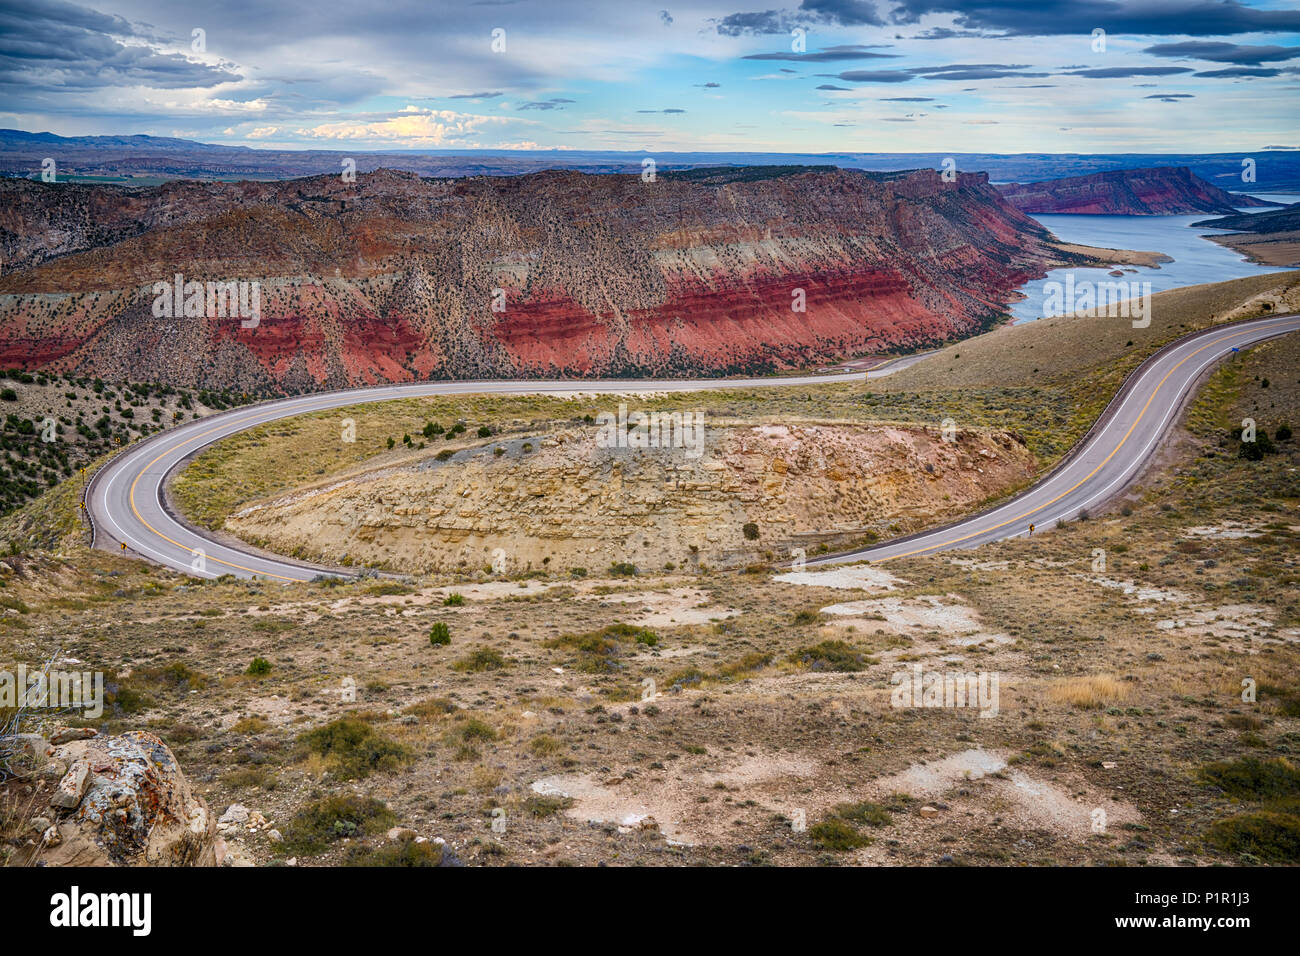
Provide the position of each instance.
(1272, 237)
(1159, 191)
(396, 278)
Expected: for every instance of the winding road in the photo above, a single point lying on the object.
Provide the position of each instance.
(125, 499)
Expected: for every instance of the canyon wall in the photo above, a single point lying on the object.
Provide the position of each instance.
(395, 278)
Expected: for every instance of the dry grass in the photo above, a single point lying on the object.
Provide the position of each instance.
(1092, 692)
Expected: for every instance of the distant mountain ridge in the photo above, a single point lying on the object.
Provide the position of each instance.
(1271, 237)
(1157, 191)
(21, 154)
(1283, 219)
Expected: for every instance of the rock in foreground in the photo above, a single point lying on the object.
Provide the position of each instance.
(125, 802)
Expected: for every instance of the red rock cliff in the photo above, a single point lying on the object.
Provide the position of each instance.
(393, 278)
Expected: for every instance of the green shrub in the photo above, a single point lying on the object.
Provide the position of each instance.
(317, 825)
(483, 659)
(472, 730)
(260, 667)
(750, 531)
(540, 805)
(1267, 834)
(835, 834)
(598, 651)
(439, 634)
(832, 656)
(622, 569)
(1254, 778)
(175, 677)
(404, 853)
(354, 749)
(872, 814)
(453, 600)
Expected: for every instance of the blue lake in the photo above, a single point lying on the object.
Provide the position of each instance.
(1196, 260)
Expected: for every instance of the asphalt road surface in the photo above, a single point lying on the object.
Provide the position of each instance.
(125, 497)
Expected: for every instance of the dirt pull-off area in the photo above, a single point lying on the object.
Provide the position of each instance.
(560, 501)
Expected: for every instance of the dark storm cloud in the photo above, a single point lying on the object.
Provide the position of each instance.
(1239, 71)
(55, 46)
(1225, 52)
(1141, 17)
(1119, 72)
(876, 76)
(844, 13)
(981, 74)
(764, 23)
(968, 66)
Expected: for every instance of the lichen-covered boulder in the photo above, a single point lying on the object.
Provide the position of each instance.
(125, 802)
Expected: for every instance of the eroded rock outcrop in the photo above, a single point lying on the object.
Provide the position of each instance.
(395, 278)
(123, 801)
(571, 503)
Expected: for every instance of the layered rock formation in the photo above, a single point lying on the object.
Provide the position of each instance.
(1159, 191)
(394, 278)
(1272, 237)
(571, 503)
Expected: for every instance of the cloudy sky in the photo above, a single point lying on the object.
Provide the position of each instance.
(813, 76)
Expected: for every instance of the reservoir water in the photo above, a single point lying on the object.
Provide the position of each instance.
(1196, 260)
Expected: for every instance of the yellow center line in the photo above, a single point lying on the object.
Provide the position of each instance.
(1085, 478)
(942, 544)
(142, 520)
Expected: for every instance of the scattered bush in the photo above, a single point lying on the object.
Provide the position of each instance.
(541, 805)
(836, 834)
(1267, 834)
(1254, 778)
(319, 824)
(598, 651)
(354, 749)
(871, 814)
(832, 656)
(403, 853)
(439, 634)
(260, 667)
(484, 659)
